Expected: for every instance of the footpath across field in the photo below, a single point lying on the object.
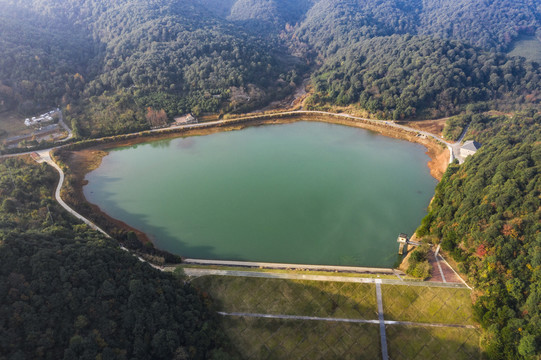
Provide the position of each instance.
(276, 318)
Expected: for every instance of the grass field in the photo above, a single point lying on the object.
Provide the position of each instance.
(427, 304)
(12, 124)
(261, 338)
(305, 298)
(283, 339)
(528, 47)
(407, 343)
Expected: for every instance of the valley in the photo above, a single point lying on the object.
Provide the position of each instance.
(262, 98)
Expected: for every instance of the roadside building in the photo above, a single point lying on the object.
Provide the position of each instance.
(43, 118)
(470, 147)
(185, 120)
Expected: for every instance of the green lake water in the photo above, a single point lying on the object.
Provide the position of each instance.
(306, 192)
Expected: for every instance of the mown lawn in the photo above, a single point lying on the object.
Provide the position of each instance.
(294, 339)
(291, 297)
(261, 338)
(413, 342)
(427, 304)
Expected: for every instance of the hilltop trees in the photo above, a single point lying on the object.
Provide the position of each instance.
(407, 76)
(188, 55)
(170, 55)
(486, 213)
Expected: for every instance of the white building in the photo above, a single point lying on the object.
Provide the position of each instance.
(470, 147)
(47, 117)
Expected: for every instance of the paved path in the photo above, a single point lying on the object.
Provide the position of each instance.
(458, 144)
(454, 148)
(330, 319)
(442, 271)
(388, 123)
(450, 273)
(194, 272)
(46, 157)
(382, 335)
(439, 265)
(267, 265)
(63, 124)
(44, 154)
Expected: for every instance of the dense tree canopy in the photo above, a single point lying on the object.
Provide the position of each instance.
(118, 66)
(487, 214)
(489, 24)
(68, 292)
(400, 76)
(229, 56)
(170, 55)
(43, 62)
(334, 24)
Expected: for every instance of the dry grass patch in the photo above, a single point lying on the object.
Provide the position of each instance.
(12, 124)
(294, 339)
(291, 297)
(427, 304)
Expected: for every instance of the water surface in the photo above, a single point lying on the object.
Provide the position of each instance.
(305, 192)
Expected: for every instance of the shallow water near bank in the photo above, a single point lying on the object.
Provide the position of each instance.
(312, 193)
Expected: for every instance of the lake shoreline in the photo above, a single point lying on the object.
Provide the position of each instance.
(81, 162)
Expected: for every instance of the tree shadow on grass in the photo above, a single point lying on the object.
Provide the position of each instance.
(263, 338)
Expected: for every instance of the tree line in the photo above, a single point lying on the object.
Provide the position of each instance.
(406, 76)
(487, 214)
(67, 292)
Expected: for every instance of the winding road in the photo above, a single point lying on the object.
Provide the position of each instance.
(44, 155)
(453, 147)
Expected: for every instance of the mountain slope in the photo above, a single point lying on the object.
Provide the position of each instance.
(487, 214)
(164, 54)
(42, 62)
(406, 76)
(488, 24)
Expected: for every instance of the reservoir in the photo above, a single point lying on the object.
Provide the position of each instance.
(304, 192)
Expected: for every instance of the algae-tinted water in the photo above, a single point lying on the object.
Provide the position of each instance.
(311, 193)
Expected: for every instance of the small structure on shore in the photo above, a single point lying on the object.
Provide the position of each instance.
(185, 120)
(470, 147)
(404, 241)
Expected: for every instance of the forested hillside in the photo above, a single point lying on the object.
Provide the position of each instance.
(169, 55)
(68, 292)
(106, 62)
(43, 61)
(276, 13)
(334, 24)
(487, 214)
(488, 24)
(411, 76)
(118, 66)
